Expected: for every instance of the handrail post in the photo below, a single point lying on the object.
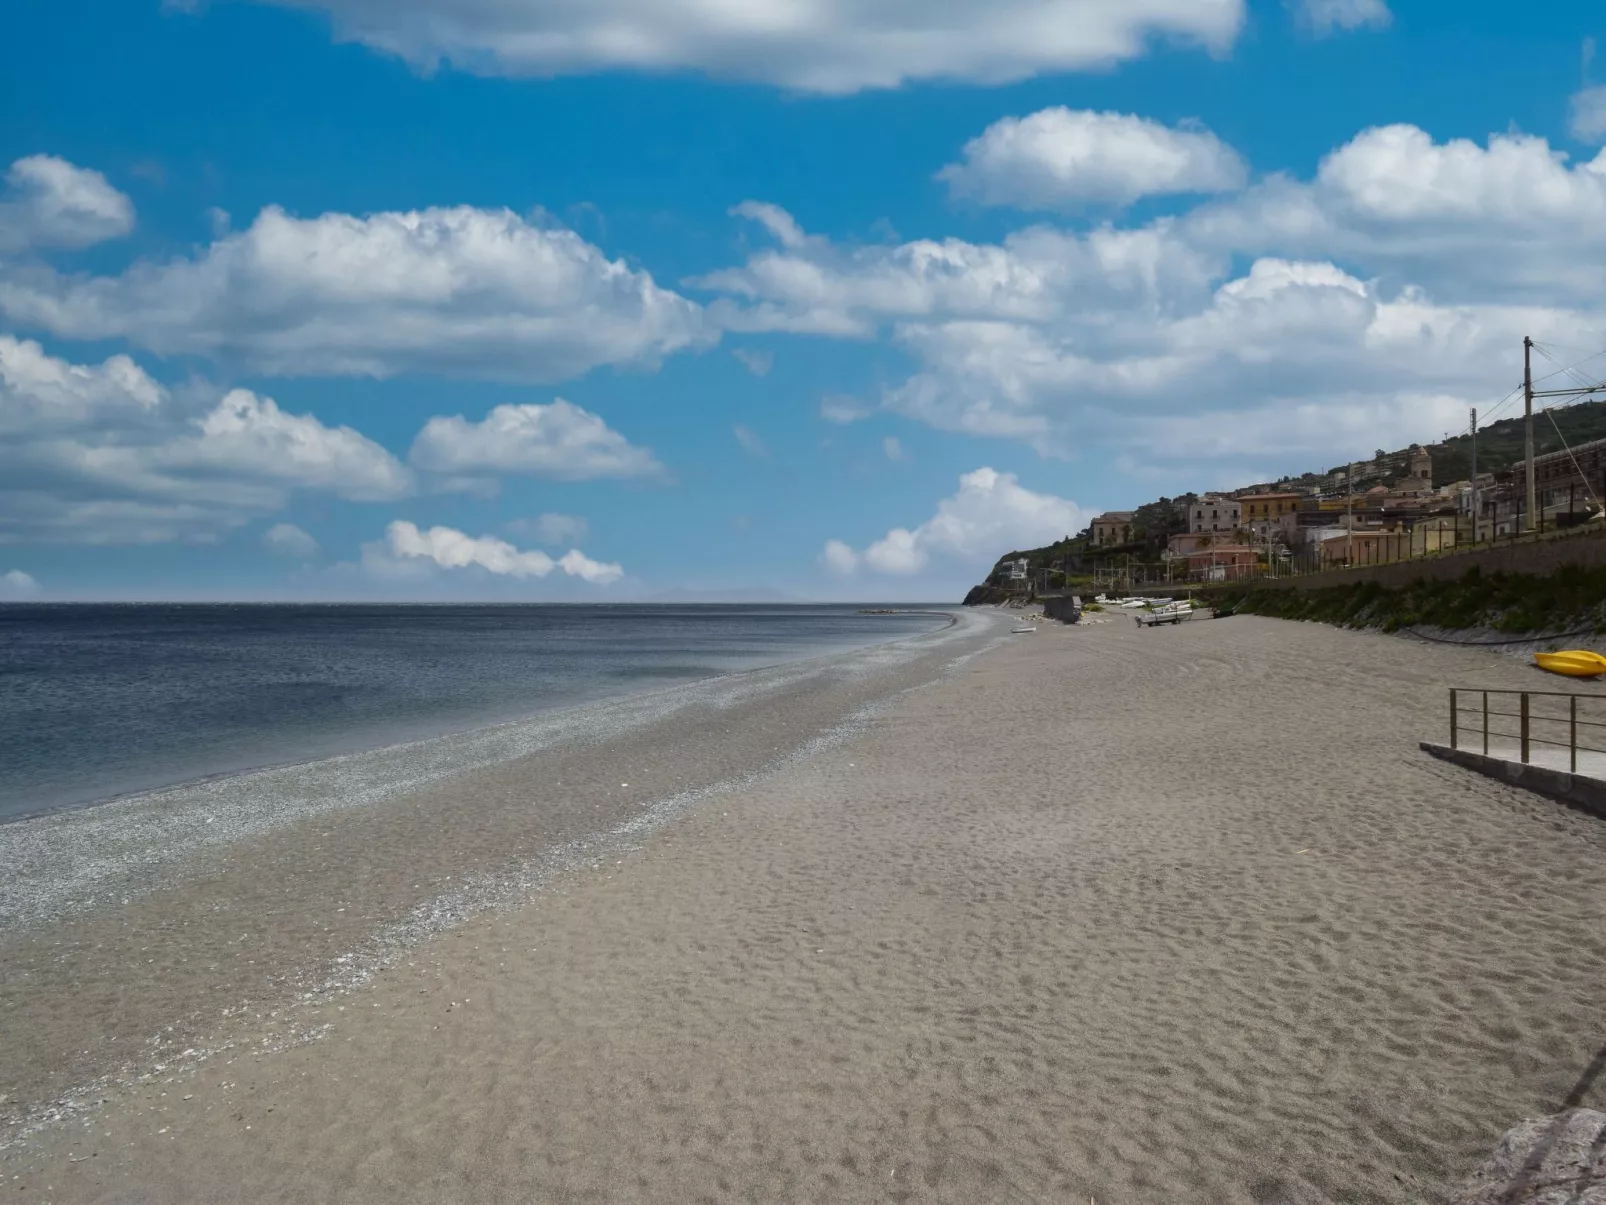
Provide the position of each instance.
(1524, 710)
(1452, 718)
(1572, 733)
(1486, 723)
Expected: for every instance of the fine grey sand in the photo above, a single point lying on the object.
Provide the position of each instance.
(1108, 915)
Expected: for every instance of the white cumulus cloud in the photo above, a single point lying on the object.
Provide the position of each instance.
(1405, 269)
(104, 454)
(287, 539)
(1509, 220)
(49, 202)
(449, 548)
(1062, 158)
(16, 585)
(245, 434)
(829, 46)
(839, 557)
(39, 392)
(559, 440)
(821, 288)
(991, 511)
(457, 291)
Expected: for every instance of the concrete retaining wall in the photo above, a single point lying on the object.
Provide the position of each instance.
(1588, 794)
(1585, 548)
(1062, 608)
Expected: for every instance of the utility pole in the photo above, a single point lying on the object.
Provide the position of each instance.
(1349, 514)
(1475, 512)
(1528, 421)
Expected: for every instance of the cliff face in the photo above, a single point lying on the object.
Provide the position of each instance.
(983, 596)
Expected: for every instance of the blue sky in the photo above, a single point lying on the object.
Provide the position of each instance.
(527, 299)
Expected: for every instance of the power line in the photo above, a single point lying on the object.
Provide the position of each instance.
(1571, 370)
(1500, 405)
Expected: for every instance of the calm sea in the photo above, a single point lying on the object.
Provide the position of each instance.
(101, 700)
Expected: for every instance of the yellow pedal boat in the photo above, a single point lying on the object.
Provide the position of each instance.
(1575, 663)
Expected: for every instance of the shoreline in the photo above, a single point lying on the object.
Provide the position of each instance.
(1099, 914)
(91, 884)
(420, 731)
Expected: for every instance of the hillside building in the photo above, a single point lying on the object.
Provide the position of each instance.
(1113, 527)
(1214, 514)
(1267, 514)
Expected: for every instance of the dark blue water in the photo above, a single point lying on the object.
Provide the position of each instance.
(99, 700)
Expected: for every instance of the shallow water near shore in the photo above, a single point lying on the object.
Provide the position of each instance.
(146, 931)
(108, 700)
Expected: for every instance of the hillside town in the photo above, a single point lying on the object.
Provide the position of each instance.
(1393, 507)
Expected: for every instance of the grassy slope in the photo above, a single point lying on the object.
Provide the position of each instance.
(1569, 599)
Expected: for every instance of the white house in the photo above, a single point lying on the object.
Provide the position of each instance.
(1213, 513)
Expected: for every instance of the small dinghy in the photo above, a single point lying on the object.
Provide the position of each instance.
(1025, 627)
(1575, 663)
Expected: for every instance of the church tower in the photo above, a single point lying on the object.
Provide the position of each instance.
(1421, 465)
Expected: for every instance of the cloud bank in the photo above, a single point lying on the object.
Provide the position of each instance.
(104, 454)
(990, 512)
(448, 548)
(1060, 159)
(454, 291)
(50, 203)
(823, 46)
(560, 441)
(1392, 288)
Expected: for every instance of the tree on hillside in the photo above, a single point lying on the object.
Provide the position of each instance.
(1154, 523)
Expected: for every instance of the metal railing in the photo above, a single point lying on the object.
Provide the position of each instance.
(1541, 718)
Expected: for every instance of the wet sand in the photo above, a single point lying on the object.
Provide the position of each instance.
(1179, 916)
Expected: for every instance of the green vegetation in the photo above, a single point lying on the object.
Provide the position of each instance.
(1049, 556)
(1500, 444)
(1154, 523)
(1569, 599)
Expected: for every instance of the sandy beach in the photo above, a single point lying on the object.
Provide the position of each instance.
(1096, 914)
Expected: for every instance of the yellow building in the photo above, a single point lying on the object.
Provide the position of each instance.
(1268, 508)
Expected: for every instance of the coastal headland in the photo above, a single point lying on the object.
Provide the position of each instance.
(1087, 913)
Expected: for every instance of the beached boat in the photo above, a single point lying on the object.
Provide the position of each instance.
(1574, 663)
